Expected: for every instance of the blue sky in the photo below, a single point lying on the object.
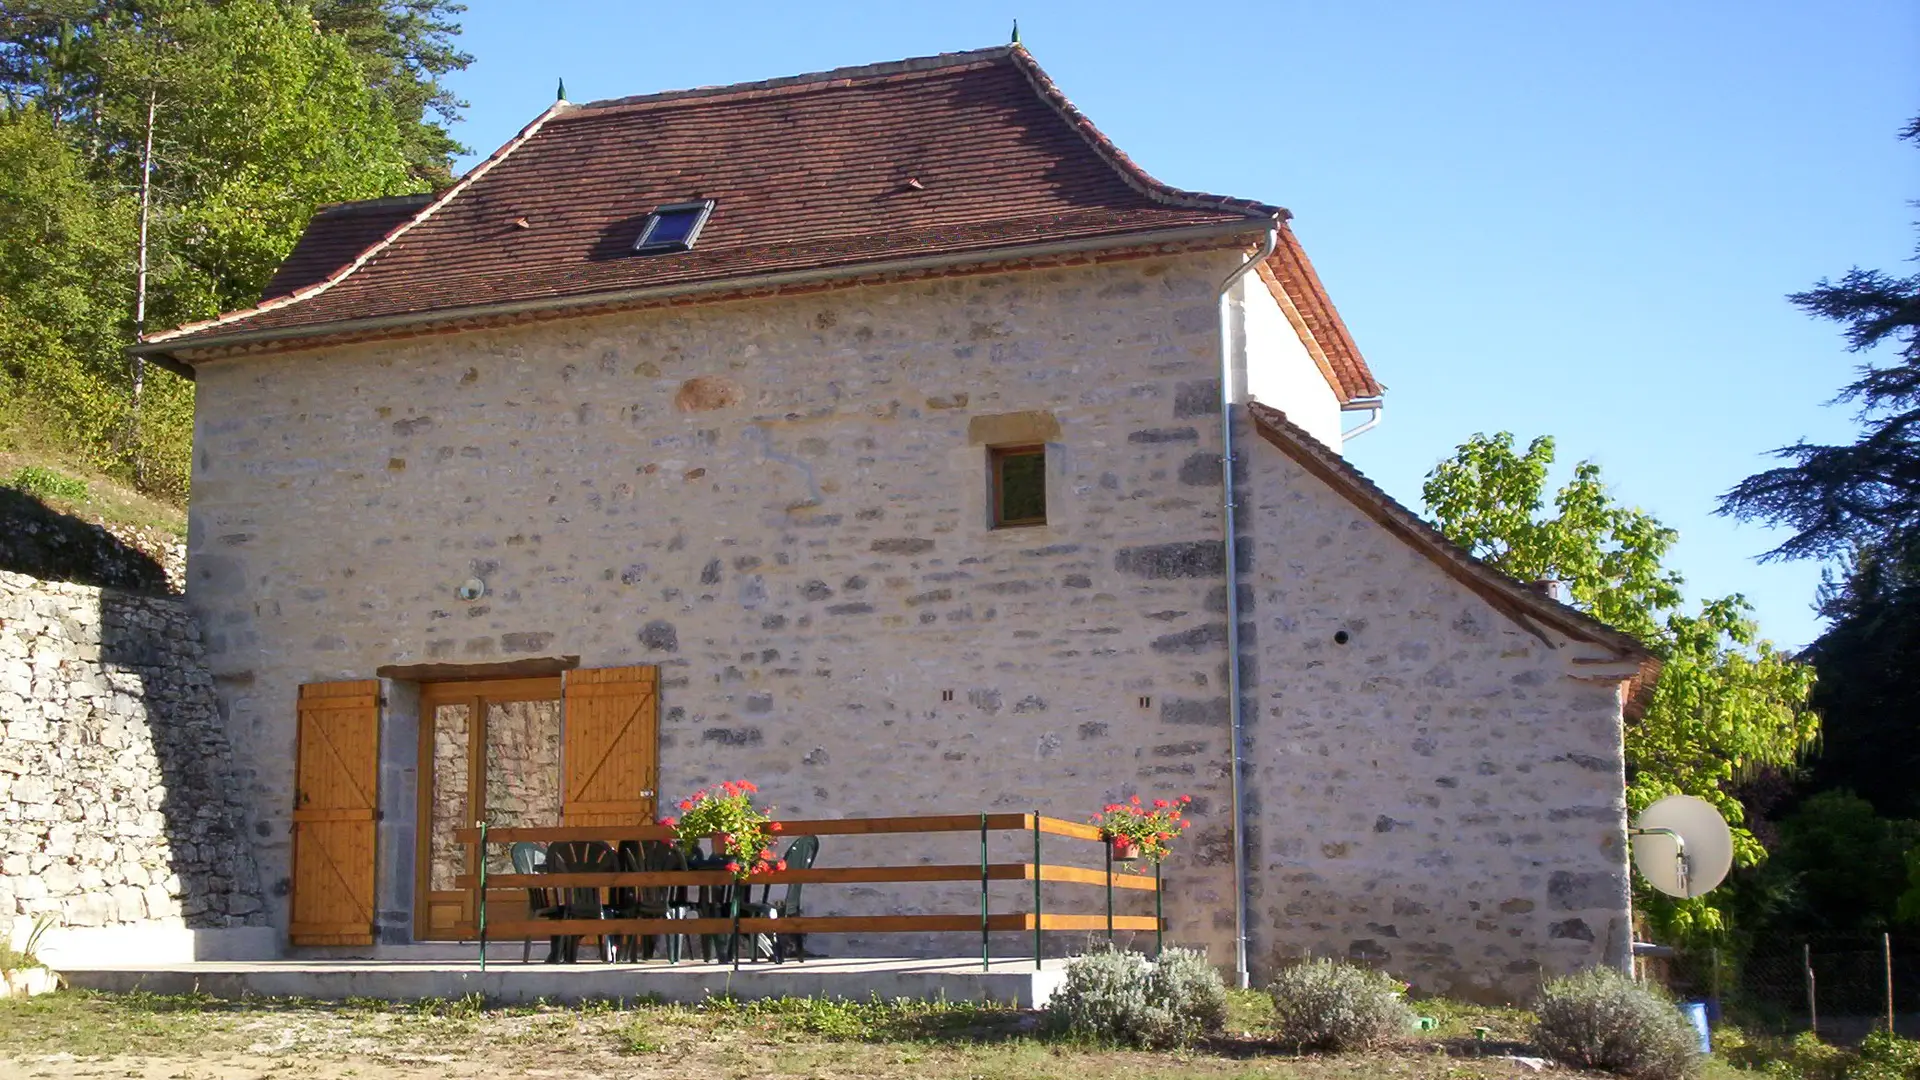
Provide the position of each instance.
(1575, 220)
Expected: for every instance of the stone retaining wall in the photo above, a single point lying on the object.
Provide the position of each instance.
(118, 803)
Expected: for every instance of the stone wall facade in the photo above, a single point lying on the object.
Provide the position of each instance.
(783, 503)
(1435, 790)
(117, 805)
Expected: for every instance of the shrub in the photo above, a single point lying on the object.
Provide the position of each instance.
(1191, 991)
(1119, 997)
(1335, 1005)
(1600, 1019)
(1885, 1056)
(46, 484)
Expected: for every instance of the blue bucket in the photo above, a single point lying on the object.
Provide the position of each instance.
(1696, 1014)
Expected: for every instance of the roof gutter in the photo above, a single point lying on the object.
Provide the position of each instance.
(1229, 500)
(164, 351)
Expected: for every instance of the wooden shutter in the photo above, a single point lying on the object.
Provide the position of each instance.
(611, 755)
(335, 805)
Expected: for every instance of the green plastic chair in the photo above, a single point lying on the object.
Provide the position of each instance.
(665, 902)
(800, 855)
(531, 858)
(582, 857)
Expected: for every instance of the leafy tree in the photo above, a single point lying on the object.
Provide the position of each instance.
(260, 117)
(1845, 865)
(260, 111)
(66, 256)
(1726, 702)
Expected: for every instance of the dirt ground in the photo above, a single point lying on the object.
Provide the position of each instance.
(185, 1038)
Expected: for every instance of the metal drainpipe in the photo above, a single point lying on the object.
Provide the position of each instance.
(1227, 405)
(1374, 407)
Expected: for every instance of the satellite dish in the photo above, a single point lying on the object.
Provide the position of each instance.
(1682, 846)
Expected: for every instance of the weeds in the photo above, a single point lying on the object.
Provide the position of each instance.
(12, 959)
(47, 484)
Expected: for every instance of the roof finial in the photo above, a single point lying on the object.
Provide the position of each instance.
(561, 94)
(1016, 31)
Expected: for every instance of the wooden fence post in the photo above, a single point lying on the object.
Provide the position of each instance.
(1886, 953)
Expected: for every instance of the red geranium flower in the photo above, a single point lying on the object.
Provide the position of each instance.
(781, 865)
(733, 868)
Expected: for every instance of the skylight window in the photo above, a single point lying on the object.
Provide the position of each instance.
(673, 227)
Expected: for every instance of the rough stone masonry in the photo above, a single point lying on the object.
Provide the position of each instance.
(783, 503)
(117, 797)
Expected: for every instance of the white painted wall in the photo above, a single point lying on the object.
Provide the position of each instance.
(1280, 372)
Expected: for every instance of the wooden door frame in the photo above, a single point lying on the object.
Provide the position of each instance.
(476, 694)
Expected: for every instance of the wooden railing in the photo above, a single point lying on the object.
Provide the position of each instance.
(985, 922)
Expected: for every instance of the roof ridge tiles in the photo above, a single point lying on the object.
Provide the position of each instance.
(1007, 159)
(1139, 178)
(816, 79)
(353, 206)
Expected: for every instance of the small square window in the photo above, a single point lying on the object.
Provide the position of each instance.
(1019, 485)
(673, 227)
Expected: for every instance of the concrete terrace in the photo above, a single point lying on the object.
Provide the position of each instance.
(510, 982)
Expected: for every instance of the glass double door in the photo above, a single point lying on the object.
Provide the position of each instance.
(488, 751)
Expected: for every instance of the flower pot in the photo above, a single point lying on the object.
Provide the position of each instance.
(1125, 850)
(28, 982)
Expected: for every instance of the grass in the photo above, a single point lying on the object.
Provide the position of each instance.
(73, 1034)
(62, 484)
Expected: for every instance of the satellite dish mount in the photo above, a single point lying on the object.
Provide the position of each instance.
(1685, 848)
(1679, 854)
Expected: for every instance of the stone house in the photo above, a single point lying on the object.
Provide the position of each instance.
(862, 433)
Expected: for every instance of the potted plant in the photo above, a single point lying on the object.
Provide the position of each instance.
(1138, 831)
(744, 831)
(22, 974)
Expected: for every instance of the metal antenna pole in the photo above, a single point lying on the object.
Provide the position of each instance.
(140, 285)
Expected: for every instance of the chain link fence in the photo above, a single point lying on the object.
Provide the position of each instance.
(1839, 987)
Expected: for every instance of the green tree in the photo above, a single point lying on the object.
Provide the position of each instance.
(1845, 866)
(50, 55)
(1869, 690)
(66, 258)
(404, 47)
(260, 117)
(1726, 701)
(260, 112)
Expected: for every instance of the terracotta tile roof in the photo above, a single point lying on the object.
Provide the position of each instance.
(943, 156)
(336, 234)
(1523, 604)
(1290, 277)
